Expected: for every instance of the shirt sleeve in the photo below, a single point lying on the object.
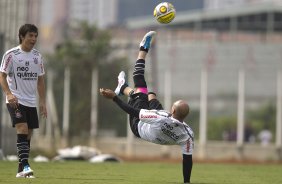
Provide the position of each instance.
(125, 107)
(188, 147)
(41, 62)
(6, 63)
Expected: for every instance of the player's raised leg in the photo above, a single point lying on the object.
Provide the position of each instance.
(139, 69)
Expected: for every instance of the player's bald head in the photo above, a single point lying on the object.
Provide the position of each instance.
(180, 109)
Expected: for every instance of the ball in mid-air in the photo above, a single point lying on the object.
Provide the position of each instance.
(164, 12)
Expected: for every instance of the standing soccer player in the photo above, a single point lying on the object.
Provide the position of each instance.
(21, 77)
(148, 120)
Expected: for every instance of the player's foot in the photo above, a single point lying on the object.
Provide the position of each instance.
(27, 170)
(121, 84)
(147, 40)
(20, 175)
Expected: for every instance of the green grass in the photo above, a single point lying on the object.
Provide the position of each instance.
(76, 172)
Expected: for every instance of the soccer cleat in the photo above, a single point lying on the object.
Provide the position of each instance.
(121, 84)
(27, 170)
(20, 175)
(147, 40)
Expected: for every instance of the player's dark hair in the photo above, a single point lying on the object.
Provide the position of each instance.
(24, 29)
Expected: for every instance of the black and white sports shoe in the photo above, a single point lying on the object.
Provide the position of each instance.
(121, 84)
(20, 175)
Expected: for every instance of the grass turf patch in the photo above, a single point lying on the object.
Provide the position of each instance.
(78, 172)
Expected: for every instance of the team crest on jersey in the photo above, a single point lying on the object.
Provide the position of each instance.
(35, 60)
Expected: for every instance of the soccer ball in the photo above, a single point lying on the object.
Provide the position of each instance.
(164, 12)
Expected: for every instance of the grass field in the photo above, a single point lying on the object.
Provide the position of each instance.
(78, 172)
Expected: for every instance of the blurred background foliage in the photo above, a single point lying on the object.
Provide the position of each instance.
(224, 127)
(85, 48)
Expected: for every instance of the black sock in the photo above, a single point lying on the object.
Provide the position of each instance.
(122, 88)
(28, 143)
(138, 74)
(23, 149)
(20, 166)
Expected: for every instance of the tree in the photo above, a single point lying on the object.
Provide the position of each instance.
(84, 49)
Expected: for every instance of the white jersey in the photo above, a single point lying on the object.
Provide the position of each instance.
(22, 69)
(159, 127)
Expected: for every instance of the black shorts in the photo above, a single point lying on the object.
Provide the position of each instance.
(24, 114)
(140, 101)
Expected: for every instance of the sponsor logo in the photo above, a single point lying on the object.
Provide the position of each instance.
(8, 61)
(25, 74)
(169, 133)
(168, 126)
(149, 116)
(22, 69)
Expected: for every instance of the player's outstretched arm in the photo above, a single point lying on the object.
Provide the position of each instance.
(107, 93)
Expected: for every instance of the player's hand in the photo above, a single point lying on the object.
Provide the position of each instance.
(107, 93)
(43, 110)
(13, 101)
